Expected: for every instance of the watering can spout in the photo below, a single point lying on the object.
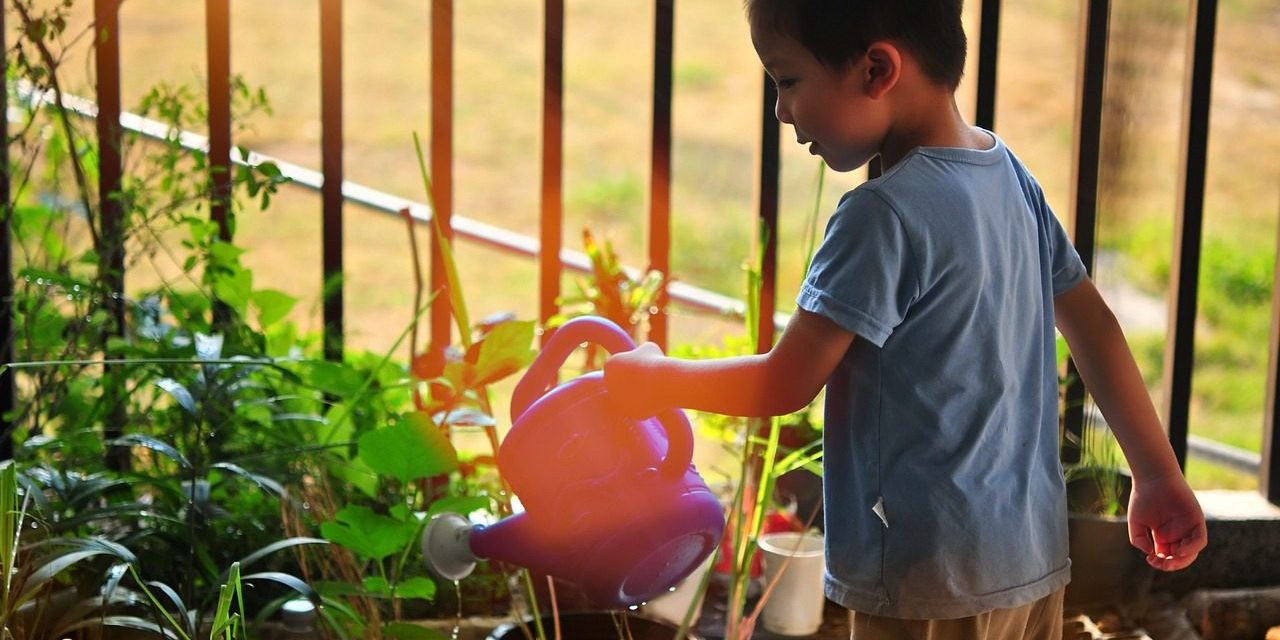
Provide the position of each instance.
(452, 545)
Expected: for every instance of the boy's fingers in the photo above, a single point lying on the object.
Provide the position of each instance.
(1140, 537)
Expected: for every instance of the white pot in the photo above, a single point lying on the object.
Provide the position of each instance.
(794, 608)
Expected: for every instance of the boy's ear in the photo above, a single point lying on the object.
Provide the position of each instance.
(883, 69)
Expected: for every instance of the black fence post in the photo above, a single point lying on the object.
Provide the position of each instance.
(441, 164)
(767, 214)
(660, 172)
(332, 167)
(7, 399)
(550, 222)
(1179, 357)
(1269, 472)
(988, 57)
(218, 55)
(1092, 70)
(111, 210)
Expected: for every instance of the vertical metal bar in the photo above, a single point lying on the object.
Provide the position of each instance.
(550, 223)
(660, 173)
(7, 389)
(332, 166)
(988, 57)
(218, 52)
(1269, 473)
(1092, 69)
(441, 168)
(218, 56)
(106, 15)
(770, 168)
(1179, 356)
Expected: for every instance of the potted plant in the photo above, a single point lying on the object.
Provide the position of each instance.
(1105, 567)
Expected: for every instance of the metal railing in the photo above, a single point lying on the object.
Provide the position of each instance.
(548, 247)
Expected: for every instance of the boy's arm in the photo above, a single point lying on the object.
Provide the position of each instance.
(781, 381)
(1165, 520)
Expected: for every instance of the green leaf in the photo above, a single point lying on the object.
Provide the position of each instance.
(407, 631)
(159, 446)
(272, 305)
(179, 393)
(291, 581)
(48, 331)
(269, 169)
(51, 568)
(505, 350)
(337, 379)
(223, 254)
(277, 546)
(234, 289)
(367, 534)
(356, 473)
(377, 586)
(123, 622)
(420, 587)
(464, 505)
(412, 448)
(263, 482)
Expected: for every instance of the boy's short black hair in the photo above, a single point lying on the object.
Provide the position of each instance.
(836, 32)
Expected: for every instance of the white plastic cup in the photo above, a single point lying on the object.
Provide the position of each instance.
(794, 608)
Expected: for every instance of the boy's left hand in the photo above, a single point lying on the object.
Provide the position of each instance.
(628, 379)
(1166, 522)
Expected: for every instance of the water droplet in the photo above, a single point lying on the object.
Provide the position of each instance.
(306, 506)
(457, 624)
(633, 608)
(39, 282)
(672, 589)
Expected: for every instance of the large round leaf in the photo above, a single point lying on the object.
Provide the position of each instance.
(412, 448)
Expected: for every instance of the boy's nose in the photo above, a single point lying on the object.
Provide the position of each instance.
(781, 111)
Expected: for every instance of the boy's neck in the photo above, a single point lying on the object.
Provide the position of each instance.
(928, 117)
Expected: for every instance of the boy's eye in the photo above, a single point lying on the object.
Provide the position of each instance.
(784, 83)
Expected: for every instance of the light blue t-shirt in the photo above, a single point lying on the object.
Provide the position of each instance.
(944, 494)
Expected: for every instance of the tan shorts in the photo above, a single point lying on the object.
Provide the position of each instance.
(1039, 620)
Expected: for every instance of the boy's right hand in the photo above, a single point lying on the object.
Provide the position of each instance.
(1166, 522)
(630, 381)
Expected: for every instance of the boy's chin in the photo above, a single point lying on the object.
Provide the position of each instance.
(845, 165)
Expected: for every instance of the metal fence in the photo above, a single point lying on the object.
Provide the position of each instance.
(548, 247)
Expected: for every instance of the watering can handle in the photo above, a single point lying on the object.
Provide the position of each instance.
(541, 376)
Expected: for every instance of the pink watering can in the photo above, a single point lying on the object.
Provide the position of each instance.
(611, 503)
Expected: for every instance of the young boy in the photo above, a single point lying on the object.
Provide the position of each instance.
(929, 314)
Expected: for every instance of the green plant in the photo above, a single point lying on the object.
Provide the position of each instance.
(1101, 470)
(406, 469)
(1098, 481)
(757, 445)
(612, 292)
(200, 388)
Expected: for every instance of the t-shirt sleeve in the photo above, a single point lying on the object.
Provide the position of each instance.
(863, 276)
(1066, 268)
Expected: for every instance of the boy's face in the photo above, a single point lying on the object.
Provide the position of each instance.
(830, 110)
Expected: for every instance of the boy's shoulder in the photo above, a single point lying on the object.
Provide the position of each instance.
(932, 174)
